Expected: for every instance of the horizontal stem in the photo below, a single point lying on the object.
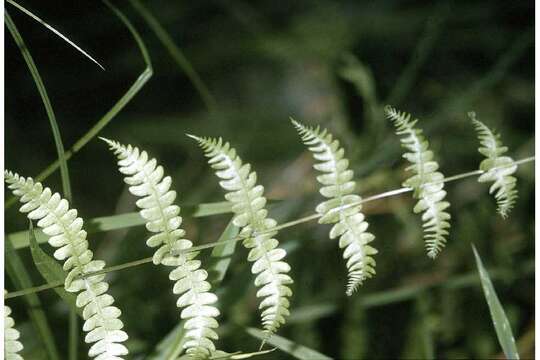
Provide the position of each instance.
(311, 217)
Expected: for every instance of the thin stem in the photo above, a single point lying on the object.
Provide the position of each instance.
(288, 224)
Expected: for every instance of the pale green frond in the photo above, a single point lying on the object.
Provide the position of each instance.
(146, 180)
(12, 345)
(65, 231)
(248, 204)
(426, 182)
(338, 186)
(498, 169)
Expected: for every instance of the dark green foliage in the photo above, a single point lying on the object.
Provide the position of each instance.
(263, 62)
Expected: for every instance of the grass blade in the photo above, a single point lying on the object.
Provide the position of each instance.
(116, 222)
(46, 102)
(52, 272)
(498, 316)
(220, 258)
(170, 347)
(54, 31)
(120, 104)
(16, 270)
(177, 55)
(287, 346)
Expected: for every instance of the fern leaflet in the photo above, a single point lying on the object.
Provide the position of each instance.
(251, 216)
(338, 186)
(426, 183)
(65, 231)
(147, 181)
(12, 345)
(498, 169)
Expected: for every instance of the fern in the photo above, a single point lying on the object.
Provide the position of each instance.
(147, 181)
(426, 182)
(251, 216)
(498, 169)
(65, 232)
(12, 345)
(338, 186)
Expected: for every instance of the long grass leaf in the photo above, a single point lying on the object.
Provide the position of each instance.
(170, 347)
(18, 274)
(46, 102)
(498, 316)
(220, 258)
(51, 271)
(295, 350)
(54, 31)
(177, 55)
(116, 222)
(118, 106)
(64, 171)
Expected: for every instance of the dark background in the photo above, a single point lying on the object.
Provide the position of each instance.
(321, 62)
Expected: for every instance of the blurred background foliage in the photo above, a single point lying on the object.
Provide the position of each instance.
(335, 63)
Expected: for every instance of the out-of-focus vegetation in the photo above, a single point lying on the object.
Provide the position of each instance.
(322, 62)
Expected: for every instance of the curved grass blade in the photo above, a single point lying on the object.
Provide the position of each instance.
(221, 255)
(498, 316)
(64, 172)
(177, 55)
(62, 161)
(295, 350)
(16, 271)
(54, 31)
(120, 104)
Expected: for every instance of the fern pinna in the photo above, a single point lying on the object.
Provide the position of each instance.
(65, 231)
(498, 169)
(343, 208)
(427, 182)
(251, 216)
(12, 345)
(147, 181)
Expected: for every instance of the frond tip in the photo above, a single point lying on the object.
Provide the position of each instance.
(256, 227)
(147, 181)
(343, 208)
(65, 231)
(426, 182)
(498, 169)
(12, 345)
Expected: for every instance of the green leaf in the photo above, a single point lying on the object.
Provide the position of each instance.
(52, 272)
(54, 31)
(122, 221)
(222, 355)
(498, 316)
(287, 346)
(171, 346)
(221, 255)
(16, 270)
(46, 103)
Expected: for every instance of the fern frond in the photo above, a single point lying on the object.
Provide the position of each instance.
(147, 181)
(338, 186)
(251, 216)
(65, 231)
(12, 345)
(498, 169)
(426, 183)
